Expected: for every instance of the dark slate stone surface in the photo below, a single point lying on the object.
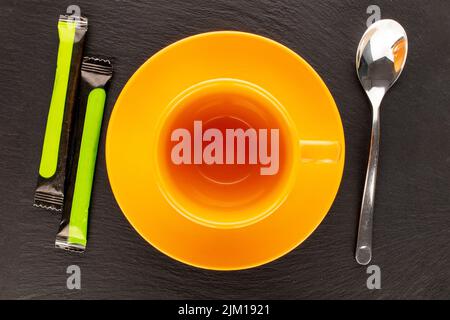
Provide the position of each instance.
(412, 218)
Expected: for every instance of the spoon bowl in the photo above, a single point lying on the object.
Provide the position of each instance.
(381, 57)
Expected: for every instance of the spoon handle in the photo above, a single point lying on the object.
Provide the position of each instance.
(363, 253)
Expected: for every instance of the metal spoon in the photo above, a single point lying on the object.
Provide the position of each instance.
(380, 59)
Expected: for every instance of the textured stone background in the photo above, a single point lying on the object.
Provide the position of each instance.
(412, 218)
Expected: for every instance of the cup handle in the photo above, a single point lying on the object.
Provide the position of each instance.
(320, 151)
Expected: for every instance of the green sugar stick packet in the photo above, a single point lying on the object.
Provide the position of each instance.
(50, 189)
(95, 74)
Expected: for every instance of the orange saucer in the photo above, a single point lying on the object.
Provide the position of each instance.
(207, 209)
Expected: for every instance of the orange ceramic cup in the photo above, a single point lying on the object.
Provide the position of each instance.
(216, 194)
(225, 150)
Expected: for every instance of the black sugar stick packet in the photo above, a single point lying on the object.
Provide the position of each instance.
(50, 187)
(95, 75)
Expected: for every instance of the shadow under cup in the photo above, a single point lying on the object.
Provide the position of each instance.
(227, 193)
